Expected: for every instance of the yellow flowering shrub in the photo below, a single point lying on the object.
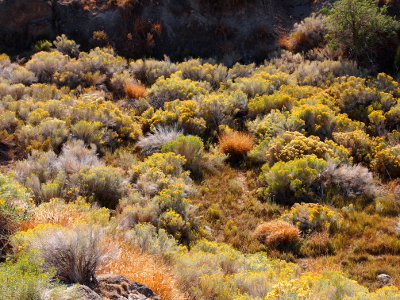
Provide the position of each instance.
(184, 114)
(387, 162)
(174, 87)
(291, 145)
(313, 217)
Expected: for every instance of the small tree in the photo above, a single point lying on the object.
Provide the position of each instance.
(359, 25)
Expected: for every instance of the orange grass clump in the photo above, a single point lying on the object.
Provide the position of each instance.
(277, 233)
(146, 269)
(135, 91)
(235, 143)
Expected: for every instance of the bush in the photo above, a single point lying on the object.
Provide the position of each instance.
(100, 184)
(278, 234)
(351, 183)
(309, 33)
(223, 109)
(14, 208)
(76, 254)
(236, 144)
(291, 145)
(310, 217)
(24, 279)
(184, 114)
(292, 180)
(45, 64)
(190, 147)
(165, 90)
(387, 162)
(135, 91)
(153, 142)
(148, 71)
(66, 46)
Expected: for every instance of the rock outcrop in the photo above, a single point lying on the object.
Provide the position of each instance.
(230, 30)
(114, 287)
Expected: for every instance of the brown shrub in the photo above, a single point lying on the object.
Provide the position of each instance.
(235, 143)
(278, 234)
(135, 91)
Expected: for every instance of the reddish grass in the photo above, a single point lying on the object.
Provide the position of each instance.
(235, 143)
(277, 233)
(135, 91)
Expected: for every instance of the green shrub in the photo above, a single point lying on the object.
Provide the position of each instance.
(288, 182)
(100, 184)
(190, 147)
(24, 279)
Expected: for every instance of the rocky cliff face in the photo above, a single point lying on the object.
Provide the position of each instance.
(230, 30)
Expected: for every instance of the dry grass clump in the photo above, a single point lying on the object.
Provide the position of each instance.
(235, 143)
(146, 269)
(278, 234)
(135, 91)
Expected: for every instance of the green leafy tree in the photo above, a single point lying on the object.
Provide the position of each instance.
(359, 25)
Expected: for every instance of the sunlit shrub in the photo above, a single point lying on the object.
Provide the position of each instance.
(288, 181)
(195, 70)
(223, 109)
(387, 162)
(265, 103)
(313, 217)
(239, 70)
(174, 87)
(235, 143)
(291, 145)
(153, 142)
(76, 254)
(184, 114)
(360, 145)
(135, 91)
(8, 121)
(14, 206)
(261, 83)
(190, 147)
(89, 132)
(101, 184)
(103, 60)
(148, 71)
(278, 234)
(310, 32)
(147, 239)
(66, 46)
(273, 124)
(75, 155)
(349, 182)
(45, 64)
(158, 171)
(24, 279)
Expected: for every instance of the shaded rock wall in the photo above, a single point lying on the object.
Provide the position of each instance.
(230, 30)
